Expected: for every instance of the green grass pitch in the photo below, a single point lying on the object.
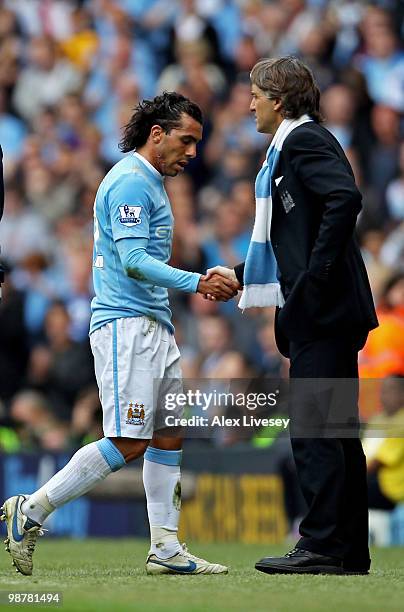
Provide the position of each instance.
(108, 575)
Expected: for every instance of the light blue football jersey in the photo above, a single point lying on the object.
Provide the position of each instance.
(131, 202)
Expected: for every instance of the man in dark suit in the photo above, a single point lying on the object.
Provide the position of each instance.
(324, 322)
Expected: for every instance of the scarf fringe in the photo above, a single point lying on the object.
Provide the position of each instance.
(261, 296)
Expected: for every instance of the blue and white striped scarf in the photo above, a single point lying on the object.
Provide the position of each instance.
(261, 286)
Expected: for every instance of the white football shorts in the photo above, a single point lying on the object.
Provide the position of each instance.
(137, 362)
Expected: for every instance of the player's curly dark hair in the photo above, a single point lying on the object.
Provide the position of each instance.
(290, 80)
(164, 110)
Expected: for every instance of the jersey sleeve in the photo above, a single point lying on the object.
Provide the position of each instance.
(130, 207)
(138, 264)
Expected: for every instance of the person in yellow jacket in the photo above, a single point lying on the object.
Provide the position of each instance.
(385, 451)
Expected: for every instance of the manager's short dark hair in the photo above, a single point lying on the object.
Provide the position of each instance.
(164, 110)
(290, 80)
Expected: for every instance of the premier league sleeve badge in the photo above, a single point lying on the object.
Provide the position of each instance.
(130, 215)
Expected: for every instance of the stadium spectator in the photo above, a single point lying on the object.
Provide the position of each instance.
(362, 134)
(372, 242)
(383, 354)
(214, 335)
(50, 196)
(82, 44)
(385, 451)
(37, 425)
(190, 26)
(36, 17)
(268, 29)
(86, 423)
(230, 239)
(392, 251)
(383, 157)
(300, 20)
(381, 52)
(315, 49)
(45, 79)
(60, 368)
(186, 252)
(37, 279)
(339, 111)
(395, 192)
(193, 73)
(23, 229)
(234, 129)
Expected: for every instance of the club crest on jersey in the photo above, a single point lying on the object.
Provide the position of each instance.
(135, 414)
(130, 215)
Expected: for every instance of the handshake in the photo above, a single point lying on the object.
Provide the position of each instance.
(219, 284)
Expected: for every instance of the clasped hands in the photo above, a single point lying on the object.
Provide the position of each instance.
(219, 284)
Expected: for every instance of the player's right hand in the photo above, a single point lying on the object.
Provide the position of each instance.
(222, 271)
(221, 288)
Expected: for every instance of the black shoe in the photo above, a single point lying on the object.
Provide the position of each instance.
(299, 561)
(356, 567)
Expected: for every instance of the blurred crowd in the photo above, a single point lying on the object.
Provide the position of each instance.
(71, 73)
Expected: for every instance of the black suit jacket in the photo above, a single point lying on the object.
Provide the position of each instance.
(322, 274)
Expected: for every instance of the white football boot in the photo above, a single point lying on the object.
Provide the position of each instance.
(182, 563)
(22, 534)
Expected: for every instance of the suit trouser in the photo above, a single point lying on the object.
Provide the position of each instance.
(330, 462)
